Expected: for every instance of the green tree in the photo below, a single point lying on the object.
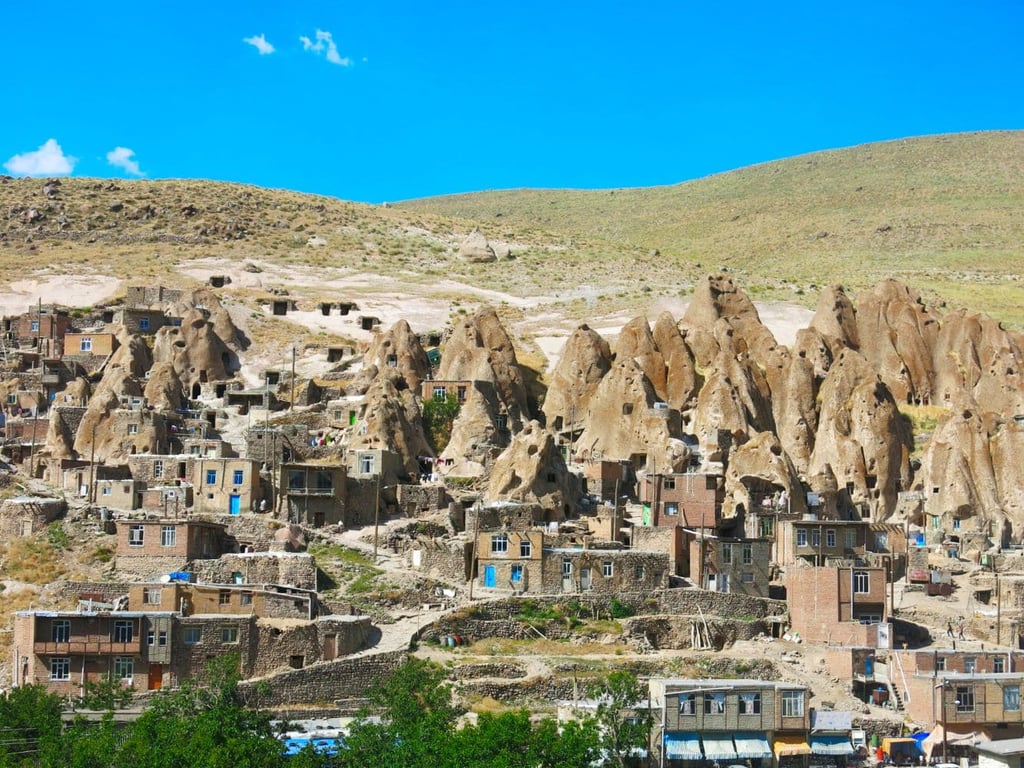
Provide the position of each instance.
(623, 719)
(31, 732)
(438, 417)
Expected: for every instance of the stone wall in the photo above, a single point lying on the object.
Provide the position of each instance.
(67, 592)
(475, 671)
(414, 500)
(344, 682)
(445, 560)
(677, 632)
(292, 568)
(26, 515)
(147, 295)
(278, 647)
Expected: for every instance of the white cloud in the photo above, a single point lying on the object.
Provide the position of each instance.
(123, 158)
(325, 44)
(259, 42)
(48, 160)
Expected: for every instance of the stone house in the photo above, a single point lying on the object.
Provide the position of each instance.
(182, 540)
(39, 323)
(225, 486)
(728, 721)
(740, 566)
(167, 500)
(843, 604)
(88, 344)
(123, 494)
(691, 500)
(511, 560)
(144, 322)
(313, 494)
(440, 390)
(603, 571)
(445, 559)
(27, 515)
(818, 541)
(365, 463)
(294, 569)
(607, 479)
(149, 295)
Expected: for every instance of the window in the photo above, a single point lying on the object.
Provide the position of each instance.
(687, 704)
(669, 484)
(124, 668)
(85, 345)
(792, 703)
(151, 638)
(748, 554)
(801, 537)
(517, 574)
(211, 477)
(123, 631)
(956, 523)
(246, 598)
(151, 596)
(499, 544)
(816, 537)
(136, 535)
(60, 631)
(162, 639)
(671, 508)
(224, 597)
(638, 572)
(726, 554)
(440, 392)
(34, 326)
(12, 399)
(168, 536)
(965, 698)
(750, 703)
(851, 539)
(970, 665)
(714, 703)
(133, 429)
(392, 361)
(525, 548)
(366, 464)
(998, 664)
(830, 538)
(193, 635)
(107, 491)
(747, 577)
(60, 668)
(158, 469)
(861, 582)
(1011, 698)
(237, 477)
(229, 635)
(607, 569)
(936, 522)
(940, 664)
(567, 567)
(143, 323)
(461, 394)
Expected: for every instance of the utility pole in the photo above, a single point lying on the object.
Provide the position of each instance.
(92, 465)
(291, 406)
(376, 519)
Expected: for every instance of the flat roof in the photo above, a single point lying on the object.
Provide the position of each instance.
(1001, 747)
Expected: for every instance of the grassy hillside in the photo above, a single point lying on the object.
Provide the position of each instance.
(942, 213)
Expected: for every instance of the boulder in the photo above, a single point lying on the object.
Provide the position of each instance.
(476, 249)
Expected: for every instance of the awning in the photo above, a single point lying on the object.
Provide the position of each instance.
(750, 744)
(933, 742)
(682, 745)
(901, 746)
(791, 745)
(718, 749)
(831, 744)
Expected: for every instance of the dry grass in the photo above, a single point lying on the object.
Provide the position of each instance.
(30, 560)
(940, 213)
(538, 647)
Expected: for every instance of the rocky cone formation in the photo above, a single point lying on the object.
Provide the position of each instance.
(476, 249)
(532, 470)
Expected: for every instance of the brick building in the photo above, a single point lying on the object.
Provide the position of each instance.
(181, 539)
(313, 494)
(690, 500)
(818, 541)
(837, 604)
(511, 560)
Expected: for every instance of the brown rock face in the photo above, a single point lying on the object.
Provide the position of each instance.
(475, 248)
(132, 355)
(636, 342)
(897, 335)
(532, 470)
(621, 421)
(101, 432)
(195, 350)
(682, 382)
(393, 422)
(584, 361)
(862, 438)
(716, 298)
(479, 350)
(164, 389)
(735, 397)
(975, 357)
(400, 349)
(835, 319)
(756, 465)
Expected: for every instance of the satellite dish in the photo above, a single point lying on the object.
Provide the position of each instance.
(165, 579)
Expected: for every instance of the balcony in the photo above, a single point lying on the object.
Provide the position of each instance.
(310, 491)
(93, 646)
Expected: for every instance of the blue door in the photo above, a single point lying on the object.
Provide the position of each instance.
(490, 577)
(235, 504)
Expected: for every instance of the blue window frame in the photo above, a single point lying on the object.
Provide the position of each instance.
(211, 477)
(237, 477)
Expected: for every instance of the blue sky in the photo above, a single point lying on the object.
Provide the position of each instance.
(409, 99)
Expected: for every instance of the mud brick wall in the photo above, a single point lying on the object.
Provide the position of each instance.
(414, 500)
(67, 592)
(329, 683)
